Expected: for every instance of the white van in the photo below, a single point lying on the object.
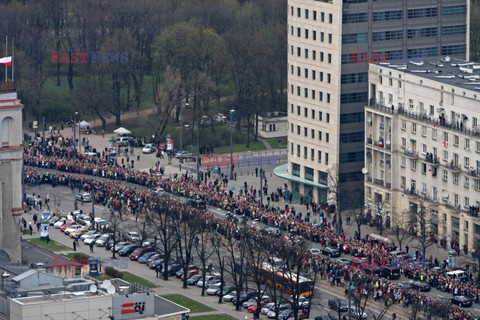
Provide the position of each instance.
(456, 274)
(122, 141)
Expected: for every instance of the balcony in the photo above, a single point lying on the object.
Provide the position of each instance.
(454, 167)
(388, 185)
(411, 154)
(432, 159)
(474, 172)
(369, 178)
(369, 140)
(379, 182)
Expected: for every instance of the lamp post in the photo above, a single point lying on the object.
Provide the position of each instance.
(44, 127)
(75, 130)
(181, 126)
(198, 150)
(232, 118)
(262, 177)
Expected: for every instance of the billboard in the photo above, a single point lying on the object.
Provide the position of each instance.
(133, 306)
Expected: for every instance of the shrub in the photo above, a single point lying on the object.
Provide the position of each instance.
(112, 272)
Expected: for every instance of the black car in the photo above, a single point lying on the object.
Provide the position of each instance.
(421, 286)
(127, 250)
(333, 253)
(462, 301)
(53, 220)
(338, 305)
(172, 269)
(244, 296)
(197, 203)
(344, 261)
(390, 272)
(406, 285)
(226, 290)
(372, 270)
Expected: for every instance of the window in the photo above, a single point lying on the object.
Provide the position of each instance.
(351, 137)
(388, 15)
(445, 136)
(445, 155)
(313, 94)
(466, 203)
(422, 52)
(422, 32)
(467, 143)
(328, 97)
(321, 58)
(322, 16)
(305, 71)
(322, 36)
(453, 30)
(299, 12)
(474, 122)
(312, 154)
(328, 117)
(404, 162)
(299, 33)
(422, 13)
(456, 140)
(354, 18)
(455, 178)
(404, 181)
(320, 135)
(312, 132)
(414, 127)
(306, 13)
(354, 78)
(354, 97)
(314, 74)
(434, 193)
(424, 168)
(291, 148)
(330, 18)
(314, 15)
(306, 53)
(466, 162)
(319, 156)
(320, 115)
(298, 152)
(424, 131)
(298, 129)
(305, 152)
(326, 158)
(305, 131)
(313, 114)
(351, 157)
(327, 137)
(298, 110)
(306, 93)
(445, 175)
(455, 202)
(387, 35)
(404, 125)
(424, 187)
(454, 49)
(390, 96)
(295, 169)
(466, 181)
(354, 38)
(478, 146)
(404, 142)
(434, 134)
(424, 148)
(329, 38)
(329, 58)
(413, 165)
(454, 10)
(306, 33)
(299, 70)
(352, 117)
(329, 77)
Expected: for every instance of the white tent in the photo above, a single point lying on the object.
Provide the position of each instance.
(122, 131)
(84, 124)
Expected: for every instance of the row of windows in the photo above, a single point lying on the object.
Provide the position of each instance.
(312, 114)
(307, 14)
(388, 15)
(296, 170)
(355, 38)
(422, 52)
(314, 34)
(355, 18)
(455, 49)
(451, 30)
(422, 32)
(354, 97)
(352, 117)
(354, 1)
(422, 13)
(313, 74)
(355, 77)
(306, 54)
(454, 10)
(351, 157)
(312, 133)
(351, 137)
(350, 176)
(313, 93)
(387, 35)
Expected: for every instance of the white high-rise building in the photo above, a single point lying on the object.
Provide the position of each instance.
(422, 148)
(328, 45)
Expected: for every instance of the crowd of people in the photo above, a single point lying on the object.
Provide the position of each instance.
(114, 186)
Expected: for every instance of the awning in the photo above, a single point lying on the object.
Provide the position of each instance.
(413, 140)
(282, 172)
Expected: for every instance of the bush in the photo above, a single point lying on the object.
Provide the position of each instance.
(112, 272)
(79, 255)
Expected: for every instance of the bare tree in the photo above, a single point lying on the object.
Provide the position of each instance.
(204, 252)
(421, 219)
(218, 246)
(399, 229)
(114, 223)
(257, 256)
(334, 195)
(189, 228)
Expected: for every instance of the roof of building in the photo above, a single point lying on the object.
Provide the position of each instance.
(166, 307)
(451, 71)
(24, 275)
(59, 297)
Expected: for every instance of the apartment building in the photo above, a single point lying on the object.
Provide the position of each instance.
(328, 45)
(422, 147)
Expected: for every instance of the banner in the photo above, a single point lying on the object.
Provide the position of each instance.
(44, 224)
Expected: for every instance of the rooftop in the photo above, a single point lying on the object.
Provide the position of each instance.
(451, 71)
(59, 297)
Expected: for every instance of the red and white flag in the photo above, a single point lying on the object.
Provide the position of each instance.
(445, 144)
(6, 61)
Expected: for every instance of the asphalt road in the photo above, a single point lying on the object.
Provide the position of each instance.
(63, 199)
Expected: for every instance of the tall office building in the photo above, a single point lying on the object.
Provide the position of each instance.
(327, 91)
(11, 162)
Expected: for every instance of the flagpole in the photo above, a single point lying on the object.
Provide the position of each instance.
(6, 54)
(13, 56)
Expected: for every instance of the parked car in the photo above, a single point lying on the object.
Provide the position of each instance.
(171, 269)
(149, 148)
(85, 197)
(184, 154)
(344, 261)
(73, 228)
(88, 233)
(191, 267)
(122, 141)
(190, 273)
(315, 251)
(226, 290)
(462, 301)
(193, 280)
(197, 203)
(229, 297)
(143, 259)
(285, 314)
(154, 264)
(67, 225)
(102, 241)
(244, 296)
(77, 234)
(405, 285)
(272, 231)
(337, 305)
(208, 281)
(330, 252)
(160, 191)
(372, 270)
(154, 257)
(132, 236)
(92, 238)
(127, 250)
(120, 245)
(272, 314)
(390, 272)
(358, 313)
(53, 220)
(140, 252)
(421, 286)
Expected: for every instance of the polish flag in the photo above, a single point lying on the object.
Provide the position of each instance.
(6, 61)
(445, 143)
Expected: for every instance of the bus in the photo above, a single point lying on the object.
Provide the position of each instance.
(284, 281)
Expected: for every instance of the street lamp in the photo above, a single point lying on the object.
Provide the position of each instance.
(75, 130)
(198, 150)
(181, 125)
(232, 117)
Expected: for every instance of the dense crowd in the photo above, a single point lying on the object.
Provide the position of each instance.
(112, 191)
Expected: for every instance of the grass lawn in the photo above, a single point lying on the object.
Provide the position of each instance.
(213, 317)
(130, 277)
(254, 146)
(277, 143)
(76, 255)
(194, 306)
(102, 277)
(52, 246)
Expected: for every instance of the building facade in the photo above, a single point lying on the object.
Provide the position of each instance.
(422, 146)
(11, 162)
(329, 46)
